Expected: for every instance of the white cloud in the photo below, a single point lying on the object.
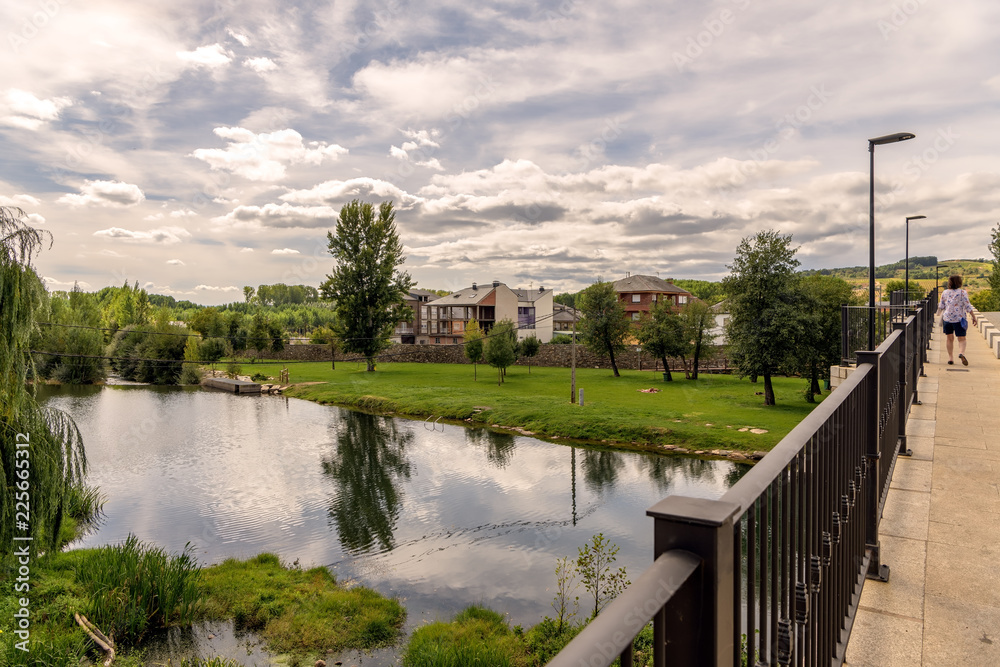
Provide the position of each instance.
(19, 201)
(35, 219)
(112, 194)
(214, 288)
(162, 235)
(264, 157)
(284, 251)
(260, 65)
(213, 55)
(175, 262)
(21, 109)
(340, 192)
(419, 149)
(154, 216)
(279, 215)
(183, 213)
(246, 249)
(53, 284)
(239, 37)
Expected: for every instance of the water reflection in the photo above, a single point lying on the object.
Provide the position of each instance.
(366, 468)
(601, 468)
(499, 446)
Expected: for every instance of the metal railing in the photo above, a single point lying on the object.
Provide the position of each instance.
(771, 573)
(854, 321)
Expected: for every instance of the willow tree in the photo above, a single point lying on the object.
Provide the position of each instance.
(41, 452)
(365, 284)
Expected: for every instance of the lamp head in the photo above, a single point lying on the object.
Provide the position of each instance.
(891, 138)
(914, 217)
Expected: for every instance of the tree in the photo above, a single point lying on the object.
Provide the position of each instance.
(994, 278)
(594, 563)
(365, 282)
(247, 293)
(603, 327)
(529, 348)
(473, 345)
(661, 333)
(819, 345)
(28, 431)
(914, 291)
(764, 322)
(499, 352)
(698, 319)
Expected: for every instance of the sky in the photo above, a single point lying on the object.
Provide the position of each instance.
(197, 147)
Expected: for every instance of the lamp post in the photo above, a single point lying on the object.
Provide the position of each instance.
(937, 286)
(872, 143)
(907, 271)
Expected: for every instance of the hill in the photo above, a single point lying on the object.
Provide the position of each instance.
(974, 272)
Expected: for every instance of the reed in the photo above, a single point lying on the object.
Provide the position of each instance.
(133, 587)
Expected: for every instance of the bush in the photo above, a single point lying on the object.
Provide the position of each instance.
(190, 375)
(143, 355)
(233, 369)
(321, 336)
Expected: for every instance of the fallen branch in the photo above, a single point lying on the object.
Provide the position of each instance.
(95, 633)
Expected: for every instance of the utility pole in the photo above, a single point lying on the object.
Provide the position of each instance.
(572, 373)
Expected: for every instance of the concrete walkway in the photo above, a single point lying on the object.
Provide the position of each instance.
(940, 530)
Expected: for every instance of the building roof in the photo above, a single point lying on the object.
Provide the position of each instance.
(647, 284)
(531, 295)
(466, 296)
(422, 292)
(564, 313)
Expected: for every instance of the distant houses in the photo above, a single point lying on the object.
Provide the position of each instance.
(442, 320)
(638, 294)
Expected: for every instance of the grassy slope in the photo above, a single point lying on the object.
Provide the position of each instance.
(705, 414)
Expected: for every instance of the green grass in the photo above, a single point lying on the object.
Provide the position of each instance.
(476, 636)
(299, 611)
(698, 415)
(296, 612)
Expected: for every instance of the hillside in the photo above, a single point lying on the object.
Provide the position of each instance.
(974, 272)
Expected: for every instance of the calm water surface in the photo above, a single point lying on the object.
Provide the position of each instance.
(439, 516)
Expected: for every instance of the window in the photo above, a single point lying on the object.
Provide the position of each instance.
(635, 317)
(636, 298)
(526, 317)
(653, 298)
(437, 341)
(454, 341)
(682, 298)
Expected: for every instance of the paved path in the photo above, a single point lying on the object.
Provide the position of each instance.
(940, 530)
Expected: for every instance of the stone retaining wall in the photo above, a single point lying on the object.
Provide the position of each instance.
(548, 355)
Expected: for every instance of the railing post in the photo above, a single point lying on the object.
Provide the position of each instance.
(905, 390)
(845, 335)
(697, 625)
(876, 569)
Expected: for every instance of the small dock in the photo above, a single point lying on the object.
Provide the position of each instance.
(232, 386)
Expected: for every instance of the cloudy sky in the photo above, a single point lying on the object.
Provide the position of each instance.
(201, 146)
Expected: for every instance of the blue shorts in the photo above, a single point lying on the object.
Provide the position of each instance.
(954, 328)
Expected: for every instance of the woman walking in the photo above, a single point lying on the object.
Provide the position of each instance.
(954, 305)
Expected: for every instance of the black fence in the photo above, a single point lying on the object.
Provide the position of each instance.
(854, 321)
(771, 573)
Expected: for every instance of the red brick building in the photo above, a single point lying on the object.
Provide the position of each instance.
(639, 293)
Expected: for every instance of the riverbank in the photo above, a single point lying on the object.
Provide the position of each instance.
(716, 415)
(299, 614)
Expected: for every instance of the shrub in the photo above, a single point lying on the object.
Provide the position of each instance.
(476, 636)
(190, 375)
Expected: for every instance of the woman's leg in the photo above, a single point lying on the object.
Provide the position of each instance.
(961, 344)
(950, 346)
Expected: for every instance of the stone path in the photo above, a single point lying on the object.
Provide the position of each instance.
(940, 529)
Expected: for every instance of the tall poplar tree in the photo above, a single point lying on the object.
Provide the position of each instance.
(366, 284)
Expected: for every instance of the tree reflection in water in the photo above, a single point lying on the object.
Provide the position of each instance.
(499, 446)
(366, 467)
(601, 468)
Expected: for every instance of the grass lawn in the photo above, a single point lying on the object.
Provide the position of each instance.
(697, 415)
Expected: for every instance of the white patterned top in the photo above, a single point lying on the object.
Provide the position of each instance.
(954, 305)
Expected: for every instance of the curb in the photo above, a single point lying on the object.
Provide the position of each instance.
(990, 333)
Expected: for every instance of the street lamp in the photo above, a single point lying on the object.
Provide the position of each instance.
(872, 143)
(939, 266)
(907, 272)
